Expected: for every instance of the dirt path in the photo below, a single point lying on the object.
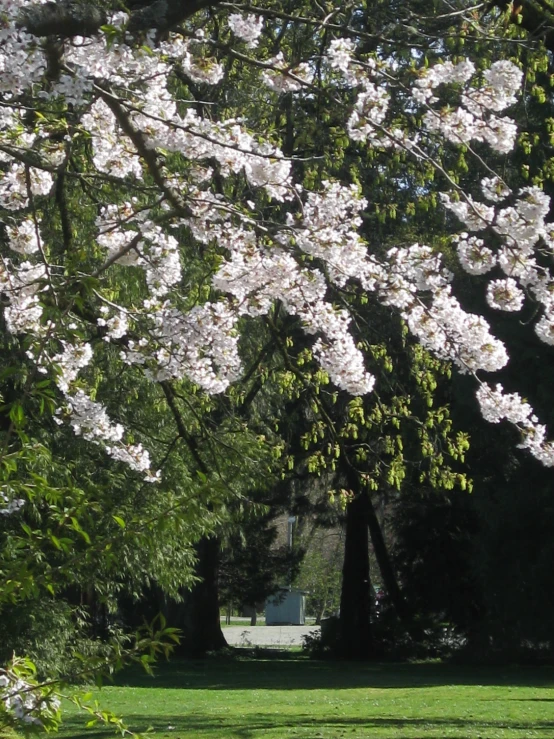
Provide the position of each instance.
(267, 636)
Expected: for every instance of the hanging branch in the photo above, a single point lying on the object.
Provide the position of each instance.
(68, 18)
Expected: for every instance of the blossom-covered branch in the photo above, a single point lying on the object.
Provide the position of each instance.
(127, 108)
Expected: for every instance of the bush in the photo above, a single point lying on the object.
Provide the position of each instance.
(49, 633)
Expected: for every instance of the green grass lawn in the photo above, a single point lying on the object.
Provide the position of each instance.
(301, 699)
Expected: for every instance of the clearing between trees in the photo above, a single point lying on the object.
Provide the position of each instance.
(295, 697)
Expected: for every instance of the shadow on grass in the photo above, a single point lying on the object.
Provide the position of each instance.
(303, 674)
(247, 729)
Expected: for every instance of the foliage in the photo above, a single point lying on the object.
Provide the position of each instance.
(32, 704)
(320, 572)
(253, 567)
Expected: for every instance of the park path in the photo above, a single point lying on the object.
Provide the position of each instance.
(267, 636)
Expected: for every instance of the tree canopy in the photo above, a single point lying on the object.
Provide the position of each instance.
(217, 217)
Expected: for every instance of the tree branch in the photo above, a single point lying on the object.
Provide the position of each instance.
(68, 18)
(148, 155)
(184, 434)
(65, 18)
(165, 14)
(535, 16)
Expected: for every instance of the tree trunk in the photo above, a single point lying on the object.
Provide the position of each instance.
(354, 621)
(385, 565)
(386, 569)
(392, 588)
(201, 625)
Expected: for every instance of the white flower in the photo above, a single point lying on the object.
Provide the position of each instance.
(505, 295)
(494, 189)
(496, 405)
(474, 215)
(246, 27)
(474, 256)
(545, 329)
(8, 506)
(282, 78)
(23, 237)
(340, 53)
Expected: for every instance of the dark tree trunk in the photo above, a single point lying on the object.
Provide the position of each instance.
(385, 565)
(403, 611)
(355, 602)
(381, 552)
(200, 623)
(199, 612)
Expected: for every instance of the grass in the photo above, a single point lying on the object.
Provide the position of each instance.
(299, 699)
(241, 622)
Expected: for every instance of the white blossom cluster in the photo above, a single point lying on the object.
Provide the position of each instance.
(416, 283)
(505, 295)
(24, 701)
(201, 345)
(204, 70)
(474, 256)
(258, 276)
(16, 184)
(90, 420)
(22, 61)
(327, 229)
(440, 74)
(23, 237)
(97, 59)
(494, 189)
(113, 152)
(474, 120)
(281, 77)
(340, 55)
(443, 327)
(474, 215)
(235, 149)
(70, 361)
(496, 406)
(116, 326)
(9, 505)
(20, 284)
(521, 229)
(438, 321)
(246, 27)
(369, 111)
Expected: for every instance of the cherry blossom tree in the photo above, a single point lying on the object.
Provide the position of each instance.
(194, 223)
(128, 132)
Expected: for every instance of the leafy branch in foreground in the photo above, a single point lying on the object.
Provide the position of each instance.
(32, 704)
